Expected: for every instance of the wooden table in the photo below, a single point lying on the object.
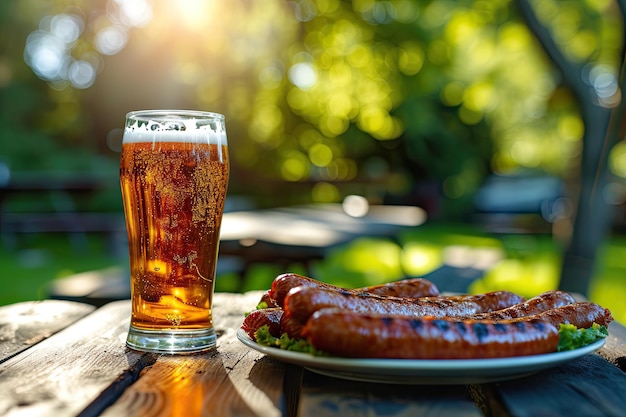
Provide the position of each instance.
(302, 234)
(61, 358)
(281, 236)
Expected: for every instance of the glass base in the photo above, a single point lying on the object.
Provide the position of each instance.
(171, 341)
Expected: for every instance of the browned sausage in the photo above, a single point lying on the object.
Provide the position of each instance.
(370, 335)
(267, 299)
(283, 283)
(413, 288)
(273, 317)
(581, 314)
(542, 302)
(341, 333)
(302, 302)
(258, 318)
(406, 288)
(291, 326)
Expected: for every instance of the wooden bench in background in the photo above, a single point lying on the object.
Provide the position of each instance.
(43, 202)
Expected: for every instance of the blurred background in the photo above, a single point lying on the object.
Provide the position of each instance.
(501, 120)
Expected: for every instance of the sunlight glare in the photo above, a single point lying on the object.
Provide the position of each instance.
(45, 53)
(355, 206)
(303, 75)
(135, 13)
(194, 13)
(420, 258)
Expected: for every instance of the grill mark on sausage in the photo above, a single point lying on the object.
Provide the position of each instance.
(258, 318)
(581, 314)
(409, 288)
(345, 333)
(500, 327)
(481, 331)
(302, 302)
(387, 320)
(348, 334)
(441, 325)
(415, 323)
(540, 303)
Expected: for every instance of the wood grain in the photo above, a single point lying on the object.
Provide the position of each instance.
(614, 349)
(86, 370)
(329, 397)
(593, 385)
(232, 381)
(23, 325)
(588, 386)
(63, 374)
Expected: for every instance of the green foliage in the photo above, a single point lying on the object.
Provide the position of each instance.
(363, 262)
(331, 93)
(326, 98)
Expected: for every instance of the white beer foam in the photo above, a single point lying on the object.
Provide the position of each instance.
(157, 132)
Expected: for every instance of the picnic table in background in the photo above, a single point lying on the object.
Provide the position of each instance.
(54, 202)
(280, 236)
(284, 235)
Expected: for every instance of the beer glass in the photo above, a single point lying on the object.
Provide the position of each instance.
(174, 172)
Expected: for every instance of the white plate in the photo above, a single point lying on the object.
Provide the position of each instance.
(418, 371)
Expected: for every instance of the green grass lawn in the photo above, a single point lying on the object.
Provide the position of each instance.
(525, 264)
(38, 259)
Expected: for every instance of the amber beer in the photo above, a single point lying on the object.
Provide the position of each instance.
(174, 174)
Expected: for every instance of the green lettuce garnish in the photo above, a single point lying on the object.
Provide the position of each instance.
(571, 337)
(263, 337)
(261, 305)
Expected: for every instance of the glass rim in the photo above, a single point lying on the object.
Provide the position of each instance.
(160, 113)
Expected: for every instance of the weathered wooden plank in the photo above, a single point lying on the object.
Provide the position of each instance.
(588, 386)
(292, 386)
(25, 324)
(225, 383)
(614, 349)
(63, 374)
(233, 381)
(86, 370)
(326, 396)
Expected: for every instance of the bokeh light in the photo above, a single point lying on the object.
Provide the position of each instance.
(319, 87)
(55, 54)
(111, 40)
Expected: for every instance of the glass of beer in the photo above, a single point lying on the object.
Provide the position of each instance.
(174, 172)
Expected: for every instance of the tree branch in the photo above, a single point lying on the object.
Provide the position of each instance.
(571, 71)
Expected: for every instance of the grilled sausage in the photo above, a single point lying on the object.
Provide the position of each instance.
(258, 318)
(581, 314)
(376, 336)
(405, 288)
(291, 326)
(542, 302)
(302, 302)
(347, 334)
(267, 299)
(413, 288)
(283, 283)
